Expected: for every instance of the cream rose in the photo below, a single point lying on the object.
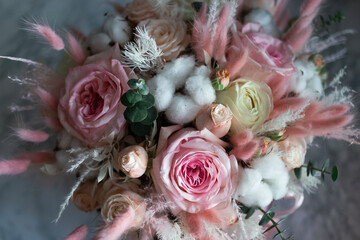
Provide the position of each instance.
(250, 103)
(294, 151)
(216, 118)
(117, 204)
(133, 161)
(170, 35)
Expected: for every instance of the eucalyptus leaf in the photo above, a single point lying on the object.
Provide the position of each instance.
(313, 170)
(250, 213)
(125, 101)
(133, 83)
(308, 169)
(144, 90)
(135, 114)
(147, 102)
(133, 96)
(266, 218)
(152, 115)
(269, 228)
(325, 165)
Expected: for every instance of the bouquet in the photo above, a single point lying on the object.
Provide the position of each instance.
(189, 119)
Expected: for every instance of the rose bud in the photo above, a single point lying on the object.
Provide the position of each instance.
(118, 203)
(223, 77)
(216, 118)
(84, 197)
(133, 161)
(294, 151)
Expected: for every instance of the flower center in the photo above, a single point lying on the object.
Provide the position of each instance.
(195, 174)
(91, 100)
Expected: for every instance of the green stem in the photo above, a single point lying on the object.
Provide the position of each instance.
(317, 169)
(273, 221)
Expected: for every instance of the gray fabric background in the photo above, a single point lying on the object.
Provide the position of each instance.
(29, 202)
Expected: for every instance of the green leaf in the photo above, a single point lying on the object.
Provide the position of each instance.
(334, 173)
(279, 234)
(135, 114)
(325, 165)
(245, 209)
(127, 179)
(147, 102)
(250, 213)
(266, 218)
(217, 86)
(152, 115)
(125, 101)
(140, 129)
(144, 90)
(322, 178)
(298, 173)
(133, 96)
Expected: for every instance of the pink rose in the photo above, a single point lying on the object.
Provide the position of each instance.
(90, 108)
(259, 56)
(194, 171)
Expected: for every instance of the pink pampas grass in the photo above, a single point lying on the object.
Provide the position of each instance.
(78, 234)
(49, 35)
(292, 103)
(32, 135)
(118, 227)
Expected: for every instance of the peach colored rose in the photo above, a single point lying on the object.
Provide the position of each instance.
(170, 35)
(120, 202)
(216, 118)
(90, 108)
(85, 198)
(133, 161)
(294, 151)
(140, 10)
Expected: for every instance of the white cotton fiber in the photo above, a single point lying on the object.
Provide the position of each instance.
(259, 196)
(278, 185)
(249, 180)
(202, 71)
(270, 166)
(265, 19)
(179, 70)
(182, 109)
(200, 90)
(163, 91)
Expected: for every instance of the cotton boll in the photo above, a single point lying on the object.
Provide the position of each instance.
(117, 29)
(66, 141)
(249, 180)
(200, 89)
(314, 88)
(99, 42)
(182, 109)
(202, 71)
(265, 19)
(278, 185)
(259, 196)
(163, 91)
(270, 166)
(179, 70)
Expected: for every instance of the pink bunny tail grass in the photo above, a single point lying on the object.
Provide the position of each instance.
(49, 100)
(118, 227)
(13, 167)
(78, 234)
(200, 33)
(298, 41)
(196, 227)
(292, 103)
(76, 51)
(279, 86)
(247, 151)
(283, 22)
(278, 10)
(242, 138)
(32, 135)
(77, 33)
(49, 35)
(221, 43)
(38, 157)
(333, 111)
(236, 62)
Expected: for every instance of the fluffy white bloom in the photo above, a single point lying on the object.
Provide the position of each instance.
(306, 82)
(265, 19)
(118, 29)
(265, 181)
(181, 74)
(99, 42)
(182, 109)
(163, 90)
